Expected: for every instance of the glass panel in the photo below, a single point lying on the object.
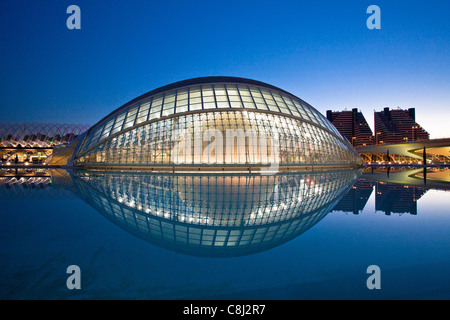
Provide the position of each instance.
(169, 97)
(182, 101)
(232, 91)
(280, 102)
(236, 104)
(182, 108)
(310, 114)
(291, 106)
(168, 111)
(119, 122)
(219, 90)
(209, 105)
(221, 96)
(208, 99)
(269, 100)
(108, 128)
(243, 90)
(319, 117)
(182, 94)
(257, 97)
(194, 92)
(223, 104)
(155, 111)
(300, 109)
(195, 100)
(130, 118)
(207, 91)
(233, 95)
(246, 98)
(194, 107)
(169, 104)
(143, 112)
(95, 136)
(249, 105)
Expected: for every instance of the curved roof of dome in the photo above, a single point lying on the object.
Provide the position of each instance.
(204, 93)
(205, 80)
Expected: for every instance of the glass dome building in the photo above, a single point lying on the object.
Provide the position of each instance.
(214, 122)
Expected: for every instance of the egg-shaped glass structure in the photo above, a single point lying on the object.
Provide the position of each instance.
(215, 122)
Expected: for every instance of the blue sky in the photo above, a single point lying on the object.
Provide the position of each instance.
(321, 51)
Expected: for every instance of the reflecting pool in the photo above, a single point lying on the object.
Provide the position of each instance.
(293, 235)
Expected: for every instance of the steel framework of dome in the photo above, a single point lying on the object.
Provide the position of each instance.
(150, 130)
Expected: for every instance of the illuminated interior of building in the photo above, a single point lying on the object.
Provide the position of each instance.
(267, 124)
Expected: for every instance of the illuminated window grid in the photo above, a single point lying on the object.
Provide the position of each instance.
(152, 143)
(200, 97)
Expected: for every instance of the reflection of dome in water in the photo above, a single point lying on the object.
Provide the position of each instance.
(215, 215)
(225, 198)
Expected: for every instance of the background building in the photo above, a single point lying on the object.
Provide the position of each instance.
(34, 142)
(398, 126)
(352, 125)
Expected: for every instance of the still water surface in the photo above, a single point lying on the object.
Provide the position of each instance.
(305, 235)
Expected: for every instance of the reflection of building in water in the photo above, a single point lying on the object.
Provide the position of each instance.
(430, 178)
(35, 183)
(397, 198)
(11, 187)
(215, 214)
(356, 198)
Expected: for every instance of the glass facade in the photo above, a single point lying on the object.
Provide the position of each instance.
(151, 130)
(226, 214)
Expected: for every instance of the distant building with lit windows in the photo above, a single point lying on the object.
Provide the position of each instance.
(352, 125)
(398, 126)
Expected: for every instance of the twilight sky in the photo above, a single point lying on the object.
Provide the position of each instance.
(321, 51)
